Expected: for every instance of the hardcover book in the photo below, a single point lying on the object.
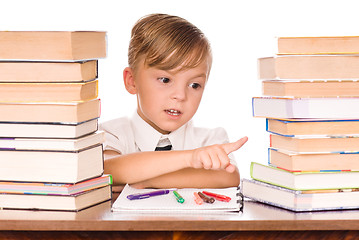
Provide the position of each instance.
(300, 201)
(320, 108)
(52, 45)
(319, 45)
(305, 180)
(292, 127)
(304, 67)
(27, 71)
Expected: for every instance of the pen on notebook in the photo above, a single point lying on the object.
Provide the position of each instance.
(147, 195)
(205, 198)
(179, 198)
(198, 200)
(218, 197)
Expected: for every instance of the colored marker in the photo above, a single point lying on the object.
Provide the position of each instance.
(147, 195)
(198, 200)
(218, 197)
(205, 198)
(179, 198)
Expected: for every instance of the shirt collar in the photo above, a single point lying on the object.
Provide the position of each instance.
(146, 137)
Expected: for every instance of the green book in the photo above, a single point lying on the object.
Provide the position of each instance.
(305, 180)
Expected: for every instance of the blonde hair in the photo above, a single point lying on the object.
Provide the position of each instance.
(167, 42)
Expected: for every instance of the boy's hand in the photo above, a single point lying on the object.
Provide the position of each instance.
(216, 156)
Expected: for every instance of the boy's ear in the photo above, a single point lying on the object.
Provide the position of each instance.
(129, 80)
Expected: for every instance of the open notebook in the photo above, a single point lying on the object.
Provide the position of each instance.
(168, 202)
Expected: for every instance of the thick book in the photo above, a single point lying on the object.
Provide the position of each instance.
(168, 202)
(292, 127)
(348, 88)
(75, 202)
(314, 161)
(322, 108)
(51, 166)
(47, 130)
(319, 45)
(48, 92)
(52, 144)
(52, 45)
(55, 188)
(46, 112)
(315, 143)
(300, 201)
(27, 71)
(305, 180)
(319, 67)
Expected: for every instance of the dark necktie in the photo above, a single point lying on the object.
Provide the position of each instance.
(165, 148)
(164, 144)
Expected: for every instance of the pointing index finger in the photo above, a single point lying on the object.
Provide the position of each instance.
(234, 146)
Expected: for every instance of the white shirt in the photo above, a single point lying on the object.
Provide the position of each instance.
(126, 135)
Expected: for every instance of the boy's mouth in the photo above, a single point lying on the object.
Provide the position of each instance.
(173, 112)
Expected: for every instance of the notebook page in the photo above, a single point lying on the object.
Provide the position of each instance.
(168, 201)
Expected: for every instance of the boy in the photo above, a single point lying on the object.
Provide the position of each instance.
(169, 64)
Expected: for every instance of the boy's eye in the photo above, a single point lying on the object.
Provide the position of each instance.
(164, 80)
(195, 85)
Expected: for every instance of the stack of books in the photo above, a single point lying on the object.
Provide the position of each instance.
(50, 150)
(310, 102)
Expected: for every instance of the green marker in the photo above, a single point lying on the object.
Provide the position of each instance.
(179, 198)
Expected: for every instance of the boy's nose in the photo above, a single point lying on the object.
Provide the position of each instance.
(179, 93)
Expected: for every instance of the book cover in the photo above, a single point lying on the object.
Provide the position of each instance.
(51, 166)
(316, 143)
(330, 88)
(52, 45)
(75, 202)
(293, 127)
(55, 188)
(322, 108)
(30, 71)
(319, 45)
(313, 161)
(48, 92)
(46, 112)
(306, 67)
(300, 201)
(47, 130)
(305, 180)
(52, 144)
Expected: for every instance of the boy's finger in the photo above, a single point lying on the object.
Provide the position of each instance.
(230, 168)
(233, 146)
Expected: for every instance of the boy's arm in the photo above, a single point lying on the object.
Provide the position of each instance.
(143, 166)
(194, 178)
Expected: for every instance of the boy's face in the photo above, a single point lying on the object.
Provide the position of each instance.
(169, 99)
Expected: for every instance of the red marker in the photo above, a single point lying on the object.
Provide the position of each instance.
(218, 196)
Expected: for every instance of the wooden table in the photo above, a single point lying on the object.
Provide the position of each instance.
(257, 221)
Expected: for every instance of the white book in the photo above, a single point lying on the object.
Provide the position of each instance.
(75, 202)
(299, 200)
(322, 108)
(60, 144)
(47, 130)
(51, 166)
(168, 202)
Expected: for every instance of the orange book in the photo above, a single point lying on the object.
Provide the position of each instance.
(314, 162)
(315, 88)
(48, 92)
(52, 45)
(69, 112)
(292, 127)
(319, 45)
(315, 143)
(48, 71)
(304, 67)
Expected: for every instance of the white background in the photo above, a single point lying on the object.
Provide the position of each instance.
(240, 32)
